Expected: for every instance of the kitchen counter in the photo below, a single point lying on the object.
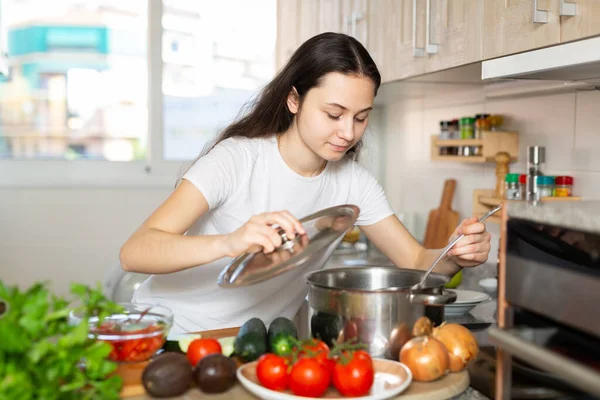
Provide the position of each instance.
(580, 215)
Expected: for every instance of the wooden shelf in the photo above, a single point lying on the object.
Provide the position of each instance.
(491, 143)
(470, 159)
(484, 200)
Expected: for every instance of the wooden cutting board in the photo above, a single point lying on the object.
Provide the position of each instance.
(451, 385)
(442, 221)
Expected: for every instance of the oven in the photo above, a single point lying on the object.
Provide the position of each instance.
(549, 299)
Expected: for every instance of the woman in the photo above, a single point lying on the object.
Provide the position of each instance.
(292, 154)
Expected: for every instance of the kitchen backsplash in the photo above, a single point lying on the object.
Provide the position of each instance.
(566, 124)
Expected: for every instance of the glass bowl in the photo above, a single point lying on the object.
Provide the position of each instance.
(135, 334)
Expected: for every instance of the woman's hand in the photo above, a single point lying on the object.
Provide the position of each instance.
(474, 248)
(259, 233)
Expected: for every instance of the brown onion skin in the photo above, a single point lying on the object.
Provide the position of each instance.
(426, 357)
(460, 342)
(422, 327)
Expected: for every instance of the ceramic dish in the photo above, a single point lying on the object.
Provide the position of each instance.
(466, 300)
(489, 285)
(391, 379)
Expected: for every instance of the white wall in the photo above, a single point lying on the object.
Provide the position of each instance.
(567, 124)
(67, 235)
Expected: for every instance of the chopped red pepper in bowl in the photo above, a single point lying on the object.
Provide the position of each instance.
(136, 334)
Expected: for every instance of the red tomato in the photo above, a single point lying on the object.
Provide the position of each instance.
(272, 372)
(318, 350)
(200, 348)
(309, 378)
(353, 374)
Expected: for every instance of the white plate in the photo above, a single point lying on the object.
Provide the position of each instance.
(466, 300)
(391, 379)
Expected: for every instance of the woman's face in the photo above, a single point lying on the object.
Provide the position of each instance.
(334, 115)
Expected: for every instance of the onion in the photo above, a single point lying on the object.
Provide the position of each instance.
(423, 327)
(460, 342)
(426, 357)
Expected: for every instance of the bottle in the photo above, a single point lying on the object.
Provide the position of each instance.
(511, 190)
(536, 156)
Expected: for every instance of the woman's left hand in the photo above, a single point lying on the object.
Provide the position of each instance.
(474, 248)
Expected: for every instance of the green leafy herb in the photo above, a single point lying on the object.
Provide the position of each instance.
(43, 356)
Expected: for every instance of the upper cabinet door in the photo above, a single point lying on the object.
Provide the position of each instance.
(579, 19)
(355, 17)
(308, 19)
(455, 33)
(512, 26)
(287, 31)
(396, 37)
(330, 16)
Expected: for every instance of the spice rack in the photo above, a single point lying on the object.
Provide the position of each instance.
(491, 143)
(485, 200)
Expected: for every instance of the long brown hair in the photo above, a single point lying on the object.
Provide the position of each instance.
(327, 52)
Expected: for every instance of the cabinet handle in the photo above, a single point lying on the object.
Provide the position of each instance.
(430, 48)
(539, 16)
(567, 9)
(417, 51)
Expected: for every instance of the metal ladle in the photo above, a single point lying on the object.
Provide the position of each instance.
(449, 246)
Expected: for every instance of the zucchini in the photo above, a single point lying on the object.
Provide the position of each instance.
(251, 341)
(282, 336)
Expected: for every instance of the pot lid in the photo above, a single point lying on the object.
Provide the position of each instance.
(324, 231)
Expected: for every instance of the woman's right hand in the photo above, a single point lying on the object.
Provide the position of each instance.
(261, 233)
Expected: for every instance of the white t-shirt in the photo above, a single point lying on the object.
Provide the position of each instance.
(239, 178)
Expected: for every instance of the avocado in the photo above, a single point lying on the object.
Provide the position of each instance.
(251, 340)
(169, 374)
(250, 346)
(326, 327)
(215, 373)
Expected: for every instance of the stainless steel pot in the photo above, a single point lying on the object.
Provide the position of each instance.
(374, 305)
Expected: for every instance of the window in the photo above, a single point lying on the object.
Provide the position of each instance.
(215, 60)
(78, 77)
(88, 99)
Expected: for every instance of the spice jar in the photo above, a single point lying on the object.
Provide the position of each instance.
(482, 124)
(444, 135)
(523, 186)
(454, 134)
(511, 187)
(495, 122)
(467, 131)
(545, 186)
(563, 186)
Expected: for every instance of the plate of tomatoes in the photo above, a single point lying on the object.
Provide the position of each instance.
(313, 370)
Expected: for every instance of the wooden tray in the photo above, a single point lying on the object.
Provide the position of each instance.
(445, 388)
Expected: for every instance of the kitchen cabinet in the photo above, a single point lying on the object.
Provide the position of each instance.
(287, 31)
(455, 33)
(513, 26)
(396, 37)
(579, 19)
(308, 19)
(355, 17)
(330, 16)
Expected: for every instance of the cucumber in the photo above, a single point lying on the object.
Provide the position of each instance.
(282, 344)
(282, 336)
(227, 344)
(282, 325)
(250, 346)
(251, 341)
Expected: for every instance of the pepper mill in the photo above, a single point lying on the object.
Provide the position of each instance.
(502, 160)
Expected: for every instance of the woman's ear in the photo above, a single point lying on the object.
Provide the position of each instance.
(293, 101)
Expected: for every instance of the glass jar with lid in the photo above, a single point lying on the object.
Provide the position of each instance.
(563, 186)
(467, 131)
(545, 186)
(512, 190)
